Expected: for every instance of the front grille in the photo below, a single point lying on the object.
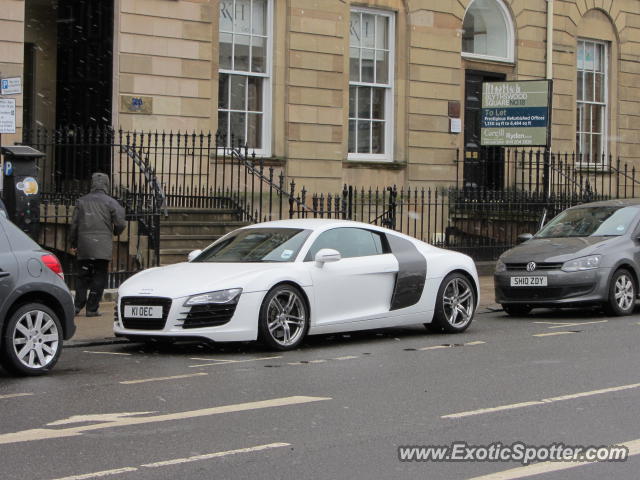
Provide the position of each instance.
(210, 315)
(541, 294)
(539, 266)
(145, 323)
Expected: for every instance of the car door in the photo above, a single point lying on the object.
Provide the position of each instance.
(8, 268)
(357, 287)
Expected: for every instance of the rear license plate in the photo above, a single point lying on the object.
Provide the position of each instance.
(529, 281)
(142, 311)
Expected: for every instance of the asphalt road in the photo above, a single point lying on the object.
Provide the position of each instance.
(337, 408)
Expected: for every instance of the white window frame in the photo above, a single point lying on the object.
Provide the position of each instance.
(510, 37)
(267, 88)
(389, 111)
(604, 154)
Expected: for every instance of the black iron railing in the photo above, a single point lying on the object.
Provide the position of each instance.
(490, 199)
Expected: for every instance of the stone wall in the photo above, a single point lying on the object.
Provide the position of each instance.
(12, 54)
(164, 53)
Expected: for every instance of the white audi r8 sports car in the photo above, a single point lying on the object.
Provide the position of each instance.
(280, 281)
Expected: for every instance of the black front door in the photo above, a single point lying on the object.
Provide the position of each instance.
(84, 91)
(483, 166)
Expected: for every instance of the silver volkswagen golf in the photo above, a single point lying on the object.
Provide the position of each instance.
(587, 255)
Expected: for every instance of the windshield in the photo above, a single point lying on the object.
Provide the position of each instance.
(256, 245)
(589, 222)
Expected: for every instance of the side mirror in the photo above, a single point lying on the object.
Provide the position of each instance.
(523, 237)
(193, 255)
(327, 255)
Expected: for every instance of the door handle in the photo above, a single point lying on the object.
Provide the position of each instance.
(4, 274)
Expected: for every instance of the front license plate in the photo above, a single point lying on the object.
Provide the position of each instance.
(142, 311)
(537, 281)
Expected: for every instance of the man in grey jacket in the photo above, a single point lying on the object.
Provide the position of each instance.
(96, 218)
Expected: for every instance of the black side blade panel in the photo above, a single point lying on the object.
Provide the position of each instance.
(412, 273)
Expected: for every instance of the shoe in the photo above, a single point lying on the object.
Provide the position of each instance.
(94, 314)
(78, 310)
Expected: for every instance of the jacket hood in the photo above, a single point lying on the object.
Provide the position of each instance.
(100, 182)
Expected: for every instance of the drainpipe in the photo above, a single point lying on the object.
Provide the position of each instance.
(549, 39)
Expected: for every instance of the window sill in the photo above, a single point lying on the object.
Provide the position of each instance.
(488, 58)
(374, 164)
(592, 167)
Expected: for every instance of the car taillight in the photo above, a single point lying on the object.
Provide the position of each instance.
(52, 262)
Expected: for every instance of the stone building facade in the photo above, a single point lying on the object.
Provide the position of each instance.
(362, 92)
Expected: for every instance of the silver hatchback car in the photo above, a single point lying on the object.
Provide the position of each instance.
(36, 307)
(587, 255)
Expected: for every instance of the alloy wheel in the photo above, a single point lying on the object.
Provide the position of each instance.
(286, 317)
(457, 302)
(35, 339)
(624, 292)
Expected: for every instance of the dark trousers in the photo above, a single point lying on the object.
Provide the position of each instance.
(92, 276)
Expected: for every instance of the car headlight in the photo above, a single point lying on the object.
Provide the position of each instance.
(500, 266)
(584, 263)
(219, 296)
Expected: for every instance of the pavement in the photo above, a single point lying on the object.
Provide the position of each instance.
(99, 330)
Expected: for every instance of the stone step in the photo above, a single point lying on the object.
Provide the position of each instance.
(187, 241)
(169, 256)
(199, 227)
(171, 259)
(201, 214)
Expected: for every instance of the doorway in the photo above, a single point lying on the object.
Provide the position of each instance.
(68, 91)
(483, 166)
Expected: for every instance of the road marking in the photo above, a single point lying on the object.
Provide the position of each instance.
(547, 467)
(438, 347)
(120, 420)
(208, 456)
(317, 361)
(569, 324)
(544, 401)
(106, 353)
(346, 357)
(104, 473)
(229, 362)
(551, 334)
(176, 461)
(159, 379)
(15, 395)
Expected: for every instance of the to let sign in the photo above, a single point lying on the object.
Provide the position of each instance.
(516, 113)
(7, 115)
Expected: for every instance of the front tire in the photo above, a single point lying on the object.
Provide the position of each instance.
(284, 318)
(32, 340)
(455, 305)
(622, 294)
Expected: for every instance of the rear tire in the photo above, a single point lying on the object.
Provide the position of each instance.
(455, 305)
(515, 310)
(622, 294)
(284, 318)
(32, 340)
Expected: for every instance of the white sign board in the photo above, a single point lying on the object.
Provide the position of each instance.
(7, 115)
(11, 86)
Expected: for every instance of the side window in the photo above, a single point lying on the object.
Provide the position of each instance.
(350, 242)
